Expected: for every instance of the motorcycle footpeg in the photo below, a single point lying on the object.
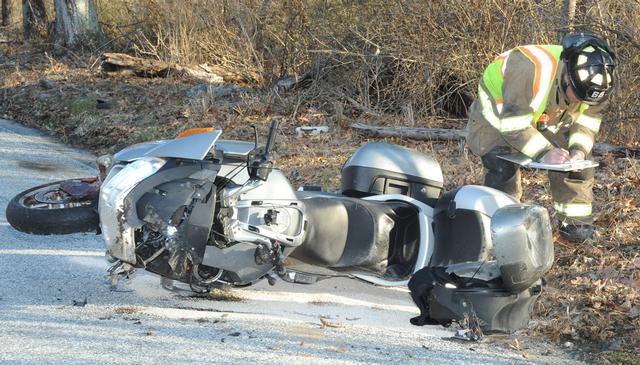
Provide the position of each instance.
(118, 270)
(271, 279)
(121, 269)
(298, 277)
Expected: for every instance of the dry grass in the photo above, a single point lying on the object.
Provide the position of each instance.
(376, 57)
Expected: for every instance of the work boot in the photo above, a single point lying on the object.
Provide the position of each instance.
(576, 232)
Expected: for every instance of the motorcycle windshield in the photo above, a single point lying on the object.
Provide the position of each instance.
(193, 147)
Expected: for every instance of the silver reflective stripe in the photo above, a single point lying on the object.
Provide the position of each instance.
(505, 55)
(517, 123)
(510, 124)
(582, 140)
(590, 122)
(573, 209)
(554, 128)
(487, 109)
(536, 144)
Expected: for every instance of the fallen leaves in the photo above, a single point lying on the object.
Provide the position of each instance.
(515, 345)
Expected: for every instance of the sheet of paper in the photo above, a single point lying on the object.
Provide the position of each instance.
(523, 160)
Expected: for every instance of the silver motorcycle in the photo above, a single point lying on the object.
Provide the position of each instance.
(209, 213)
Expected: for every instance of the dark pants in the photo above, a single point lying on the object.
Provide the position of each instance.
(501, 174)
(572, 192)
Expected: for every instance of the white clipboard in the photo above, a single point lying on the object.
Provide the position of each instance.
(524, 161)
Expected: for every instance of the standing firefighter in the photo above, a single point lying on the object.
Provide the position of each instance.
(545, 101)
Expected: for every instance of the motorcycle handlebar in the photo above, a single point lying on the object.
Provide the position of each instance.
(271, 138)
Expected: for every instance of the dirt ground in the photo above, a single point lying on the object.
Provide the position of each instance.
(592, 296)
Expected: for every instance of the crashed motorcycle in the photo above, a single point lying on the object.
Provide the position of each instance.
(210, 212)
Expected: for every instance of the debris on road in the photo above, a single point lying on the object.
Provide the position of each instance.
(326, 323)
(77, 303)
(311, 130)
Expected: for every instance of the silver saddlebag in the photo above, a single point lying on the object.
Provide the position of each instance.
(494, 295)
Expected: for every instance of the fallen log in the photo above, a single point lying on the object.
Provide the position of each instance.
(605, 148)
(142, 67)
(441, 134)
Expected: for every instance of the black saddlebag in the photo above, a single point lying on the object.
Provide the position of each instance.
(444, 298)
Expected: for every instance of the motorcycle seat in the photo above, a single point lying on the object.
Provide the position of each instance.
(347, 232)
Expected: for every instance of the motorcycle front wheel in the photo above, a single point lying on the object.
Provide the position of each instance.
(48, 209)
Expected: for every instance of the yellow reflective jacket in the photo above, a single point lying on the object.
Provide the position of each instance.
(520, 88)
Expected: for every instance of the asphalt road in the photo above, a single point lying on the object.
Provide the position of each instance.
(45, 282)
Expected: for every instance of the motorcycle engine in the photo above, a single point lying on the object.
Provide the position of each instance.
(177, 217)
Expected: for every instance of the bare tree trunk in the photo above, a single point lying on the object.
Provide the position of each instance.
(568, 15)
(6, 12)
(76, 22)
(261, 19)
(34, 16)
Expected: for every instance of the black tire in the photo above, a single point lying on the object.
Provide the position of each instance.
(68, 215)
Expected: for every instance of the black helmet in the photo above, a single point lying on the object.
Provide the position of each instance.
(590, 64)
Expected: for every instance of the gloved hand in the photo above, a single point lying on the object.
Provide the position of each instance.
(556, 155)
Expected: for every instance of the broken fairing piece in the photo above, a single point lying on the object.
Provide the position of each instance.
(313, 130)
(467, 335)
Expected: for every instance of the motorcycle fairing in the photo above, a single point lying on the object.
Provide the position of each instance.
(114, 208)
(249, 223)
(193, 147)
(235, 150)
(182, 211)
(265, 211)
(136, 151)
(277, 187)
(238, 262)
(122, 246)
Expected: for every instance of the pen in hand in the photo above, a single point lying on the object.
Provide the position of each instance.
(557, 156)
